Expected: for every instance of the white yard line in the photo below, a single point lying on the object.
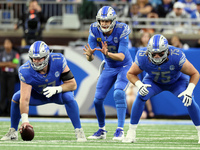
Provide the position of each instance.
(127, 121)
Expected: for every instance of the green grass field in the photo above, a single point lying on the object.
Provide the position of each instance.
(155, 135)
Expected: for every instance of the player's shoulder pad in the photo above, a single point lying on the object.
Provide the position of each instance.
(177, 54)
(23, 71)
(124, 29)
(58, 59)
(141, 54)
(56, 56)
(175, 50)
(93, 29)
(25, 66)
(142, 51)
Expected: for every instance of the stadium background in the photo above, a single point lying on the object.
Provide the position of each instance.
(66, 37)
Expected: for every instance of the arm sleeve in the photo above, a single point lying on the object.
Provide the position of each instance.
(123, 45)
(91, 39)
(64, 63)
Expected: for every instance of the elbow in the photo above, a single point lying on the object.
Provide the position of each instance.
(74, 87)
(128, 75)
(121, 59)
(90, 58)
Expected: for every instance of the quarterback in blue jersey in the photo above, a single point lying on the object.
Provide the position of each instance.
(112, 38)
(167, 70)
(44, 78)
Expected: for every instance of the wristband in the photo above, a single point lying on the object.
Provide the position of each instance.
(191, 87)
(59, 89)
(24, 118)
(138, 83)
(88, 55)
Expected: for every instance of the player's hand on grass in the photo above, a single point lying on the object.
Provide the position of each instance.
(24, 125)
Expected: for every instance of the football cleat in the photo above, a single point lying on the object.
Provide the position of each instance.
(11, 135)
(80, 136)
(130, 137)
(119, 134)
(100, 134)
(199, 137)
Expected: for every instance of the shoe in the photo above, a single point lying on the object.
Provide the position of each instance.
(130, 137)
(11, 135)
(199, 137)
(119, 134)
(80, 136)
(100, 134)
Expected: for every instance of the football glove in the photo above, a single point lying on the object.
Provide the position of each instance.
(187, 99)
(142, 88)
(50, 91)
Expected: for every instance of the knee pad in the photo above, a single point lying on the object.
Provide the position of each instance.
(16, 97)
(98, 101)
(120, 98)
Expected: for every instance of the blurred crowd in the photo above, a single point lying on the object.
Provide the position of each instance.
(33, 21)
(177, 12)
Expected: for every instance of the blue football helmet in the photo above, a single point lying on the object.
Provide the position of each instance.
(157, 44)
(38, 50)
(106, 13)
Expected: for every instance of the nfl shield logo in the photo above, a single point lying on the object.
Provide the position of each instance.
(115, 39)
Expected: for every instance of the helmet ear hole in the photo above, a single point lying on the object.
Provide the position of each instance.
(38, 50)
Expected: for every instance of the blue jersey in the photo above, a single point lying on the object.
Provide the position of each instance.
(166, 73)
(28, 75)
(117, 42)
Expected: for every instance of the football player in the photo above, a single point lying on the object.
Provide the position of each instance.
(167, 70)
(44, 78)
(113, 38)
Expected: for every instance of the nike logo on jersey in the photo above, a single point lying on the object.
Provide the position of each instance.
(125, 66)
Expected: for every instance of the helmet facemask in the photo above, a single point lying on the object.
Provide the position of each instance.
(106, 13)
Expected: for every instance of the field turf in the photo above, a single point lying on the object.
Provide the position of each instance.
(58, 134)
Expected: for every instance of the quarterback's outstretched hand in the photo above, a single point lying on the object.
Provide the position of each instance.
(88, 50)
(142, 88)
(104, 48)
(50, 91)
(187, 100)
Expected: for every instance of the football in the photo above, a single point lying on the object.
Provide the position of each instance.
(27, 133)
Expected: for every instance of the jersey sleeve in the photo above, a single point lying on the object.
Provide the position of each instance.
(91, 38)
(124, 39)
(123, 45)
(64, 62)
(23, 73)
(126, 31)
(178, 57)
(182, 59)
(139, 58)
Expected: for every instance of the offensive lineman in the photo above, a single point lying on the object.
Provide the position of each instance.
(167, 69)
(45, 78)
